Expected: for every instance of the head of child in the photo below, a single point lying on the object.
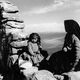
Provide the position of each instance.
(35, 38)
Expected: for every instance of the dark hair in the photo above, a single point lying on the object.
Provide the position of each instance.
(32, 35)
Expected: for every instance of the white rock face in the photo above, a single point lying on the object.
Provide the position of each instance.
(12, 24)
(8, 7)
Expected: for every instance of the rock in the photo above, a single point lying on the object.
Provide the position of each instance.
(29, 70)
(8, 15)
(19, 44)
(14, 50)
(44, 75)
(17, 25)
(15, 19)
(19, 36)
(25, 64)
(12, 24)
(13, 58)
(13, 30)
(73, 75)
(6, 26)
(8, 7)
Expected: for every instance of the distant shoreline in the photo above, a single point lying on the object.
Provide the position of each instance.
(56, 41)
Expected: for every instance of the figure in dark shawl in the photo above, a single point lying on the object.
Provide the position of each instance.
(72, 40)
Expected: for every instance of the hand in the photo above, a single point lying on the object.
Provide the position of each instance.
(65, 49)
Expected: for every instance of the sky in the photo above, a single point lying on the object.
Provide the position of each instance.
(47, 15)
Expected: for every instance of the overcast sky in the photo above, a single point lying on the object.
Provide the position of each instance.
(47, 15)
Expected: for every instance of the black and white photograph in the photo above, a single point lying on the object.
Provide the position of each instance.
(39, 39)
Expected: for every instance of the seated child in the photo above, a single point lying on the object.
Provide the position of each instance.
(34, 48)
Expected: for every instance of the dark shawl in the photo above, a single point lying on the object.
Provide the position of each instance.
(72, 27)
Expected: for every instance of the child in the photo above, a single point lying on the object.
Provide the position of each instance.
(34, 48)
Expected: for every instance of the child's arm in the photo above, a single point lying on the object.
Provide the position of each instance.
(30, 49)
(40, 47)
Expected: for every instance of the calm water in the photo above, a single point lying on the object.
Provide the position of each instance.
(52, 42)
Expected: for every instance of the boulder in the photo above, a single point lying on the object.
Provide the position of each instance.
(15, 50)
(29, 70)
(15, 19)
(12, 24)
(8, 7)
(19, 44)
(17, 25)
(18, 36)
(74, 75)
(13, 58)
(6, 26)
(13, 30)
(8, 15)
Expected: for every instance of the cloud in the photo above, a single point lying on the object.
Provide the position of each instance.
(45, 27)
(55, 5)
(77, 11)
(76, 2)
(77, 15)
(45, 9)
(54, 40)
